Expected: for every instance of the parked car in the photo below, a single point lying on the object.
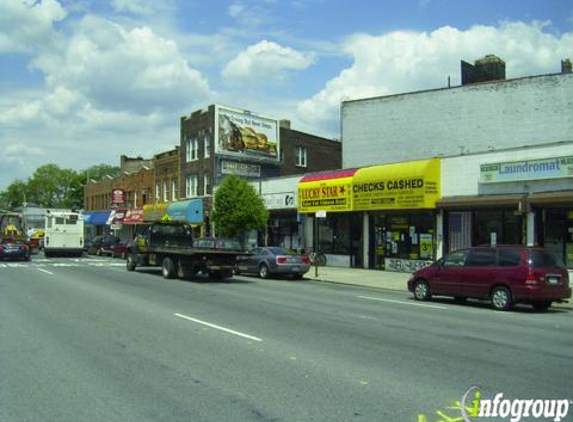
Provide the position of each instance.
(269, 261)
(102, 245)
(120, 249)
(504, 274)
(14, 250)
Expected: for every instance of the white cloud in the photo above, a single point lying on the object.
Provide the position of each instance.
(108, 90)
(404, 61)
(250, 15)
(265, 61)
(119, 69)
(137, 7)
(27, 24)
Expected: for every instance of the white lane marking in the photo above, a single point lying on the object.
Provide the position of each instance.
(403, 303)
(44, 271)
(3, 266)
(218, 327)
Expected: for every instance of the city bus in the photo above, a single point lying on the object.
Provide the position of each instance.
(64, 233)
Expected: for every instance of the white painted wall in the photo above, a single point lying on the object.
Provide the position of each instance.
(468, 119)
(460, 175)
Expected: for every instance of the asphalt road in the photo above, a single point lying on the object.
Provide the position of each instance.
(85, 340)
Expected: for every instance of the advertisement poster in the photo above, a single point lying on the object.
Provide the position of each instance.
(242, 133)
(426, 246)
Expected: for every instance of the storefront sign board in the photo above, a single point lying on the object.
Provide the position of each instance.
(515, 171)
(412, 185)
(240, 169)
(325, 195)
(277, 201)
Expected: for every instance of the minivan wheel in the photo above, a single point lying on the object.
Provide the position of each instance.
(541, 306)
(501, 298)
(422, 290)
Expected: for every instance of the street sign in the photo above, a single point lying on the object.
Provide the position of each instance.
(321, 214)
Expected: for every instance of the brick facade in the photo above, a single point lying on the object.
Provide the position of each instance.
(166, 176)
(138, 189)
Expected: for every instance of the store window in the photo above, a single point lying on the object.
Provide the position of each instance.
(402, 237)
(340, 235)
(495, 227)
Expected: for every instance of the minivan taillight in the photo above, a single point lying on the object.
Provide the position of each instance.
(281, 260)
(531, 279)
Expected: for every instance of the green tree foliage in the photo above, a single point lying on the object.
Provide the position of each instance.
(15, 195)
(50, 186)
(53, 187)
(238, 208)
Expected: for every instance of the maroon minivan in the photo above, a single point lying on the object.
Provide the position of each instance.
(505, 274)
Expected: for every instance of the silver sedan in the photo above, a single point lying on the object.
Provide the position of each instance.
(270, 260)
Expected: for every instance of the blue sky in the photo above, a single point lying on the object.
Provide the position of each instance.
(84, 81)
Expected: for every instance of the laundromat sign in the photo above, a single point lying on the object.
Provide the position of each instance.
(412, 185)
(515, 171)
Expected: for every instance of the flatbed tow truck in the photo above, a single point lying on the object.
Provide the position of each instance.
(170, 245)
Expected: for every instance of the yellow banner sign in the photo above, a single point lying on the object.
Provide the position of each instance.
(411, 185)
(328, 195)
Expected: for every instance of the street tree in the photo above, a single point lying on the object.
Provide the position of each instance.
(50, 186)
(15, 195)
(237, 208)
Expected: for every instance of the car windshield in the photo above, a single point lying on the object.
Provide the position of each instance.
(544, 259)
(280, 251)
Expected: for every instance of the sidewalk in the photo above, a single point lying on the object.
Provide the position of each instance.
(386, 280)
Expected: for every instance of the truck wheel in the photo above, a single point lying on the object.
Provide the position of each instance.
(130, 263)
(168, 268)
(184, 270)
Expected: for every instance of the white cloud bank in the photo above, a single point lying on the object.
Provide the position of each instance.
(25, 24)
(265, 61)
(404, 61)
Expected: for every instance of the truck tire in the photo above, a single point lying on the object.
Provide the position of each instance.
(168, 268)
(184, 270)
(130, 263)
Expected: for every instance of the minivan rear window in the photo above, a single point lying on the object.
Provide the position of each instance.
(508, 257)
(544, 259)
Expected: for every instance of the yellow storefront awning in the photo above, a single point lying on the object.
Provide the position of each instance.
(328, 191)
(399, 186)
(411, 185)
(154, 212)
